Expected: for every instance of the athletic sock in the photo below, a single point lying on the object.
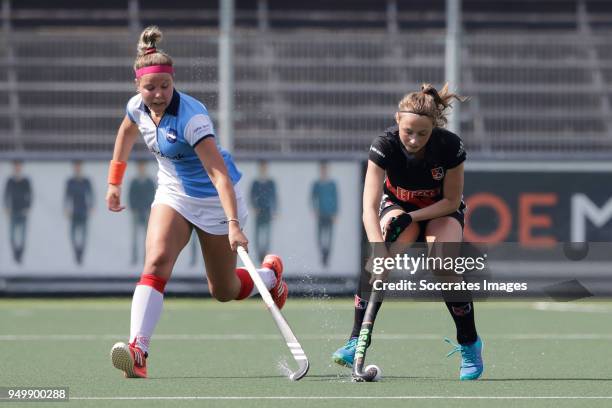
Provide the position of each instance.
(463, 315)
(361, 304)
(147, 305)
(360, 309)
(247, 286)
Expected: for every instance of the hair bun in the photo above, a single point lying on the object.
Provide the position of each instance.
(427, 88)
(149, 38)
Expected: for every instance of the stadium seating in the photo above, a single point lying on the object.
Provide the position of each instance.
(539, 75)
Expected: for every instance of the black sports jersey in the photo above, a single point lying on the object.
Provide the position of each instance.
(410, 180)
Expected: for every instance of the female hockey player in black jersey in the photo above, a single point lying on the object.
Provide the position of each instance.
(415, 174)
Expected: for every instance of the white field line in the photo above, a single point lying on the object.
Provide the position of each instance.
(314, 306)
(251, 337)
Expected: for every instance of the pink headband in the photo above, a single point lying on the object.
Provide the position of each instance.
(154, 69)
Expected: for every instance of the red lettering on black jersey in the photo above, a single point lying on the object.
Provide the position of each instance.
(420, 198)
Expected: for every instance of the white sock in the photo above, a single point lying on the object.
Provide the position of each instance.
(147, 305)
(268, 277)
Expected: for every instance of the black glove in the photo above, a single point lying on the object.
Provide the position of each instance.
(396, 226)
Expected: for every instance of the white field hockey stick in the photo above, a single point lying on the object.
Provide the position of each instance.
(281, 323)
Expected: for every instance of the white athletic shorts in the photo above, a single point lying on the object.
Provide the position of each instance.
(205, 213)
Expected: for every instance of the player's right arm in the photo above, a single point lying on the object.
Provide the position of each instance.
(372, 193)
(126, 137)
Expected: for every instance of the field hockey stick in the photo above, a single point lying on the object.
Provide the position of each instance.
(396, 226)
(363, 342)
(281, 323)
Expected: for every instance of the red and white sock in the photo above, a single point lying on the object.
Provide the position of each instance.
(247, 286)
(147, 305)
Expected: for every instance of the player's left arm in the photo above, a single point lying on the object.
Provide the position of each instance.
(217, 171)
(451, 200)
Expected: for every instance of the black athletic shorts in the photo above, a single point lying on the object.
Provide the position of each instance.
(387, 204)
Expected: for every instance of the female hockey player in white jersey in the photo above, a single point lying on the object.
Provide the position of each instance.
(198, 187)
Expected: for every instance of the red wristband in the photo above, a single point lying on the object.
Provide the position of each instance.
(116, 170)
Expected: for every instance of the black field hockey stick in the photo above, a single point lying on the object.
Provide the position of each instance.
(281, 323)
(363, 342)
(393, 230)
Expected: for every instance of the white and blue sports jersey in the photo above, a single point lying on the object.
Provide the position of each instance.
(185, 124)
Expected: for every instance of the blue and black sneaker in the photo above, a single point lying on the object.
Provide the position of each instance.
(344, 355)
(472, 365)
